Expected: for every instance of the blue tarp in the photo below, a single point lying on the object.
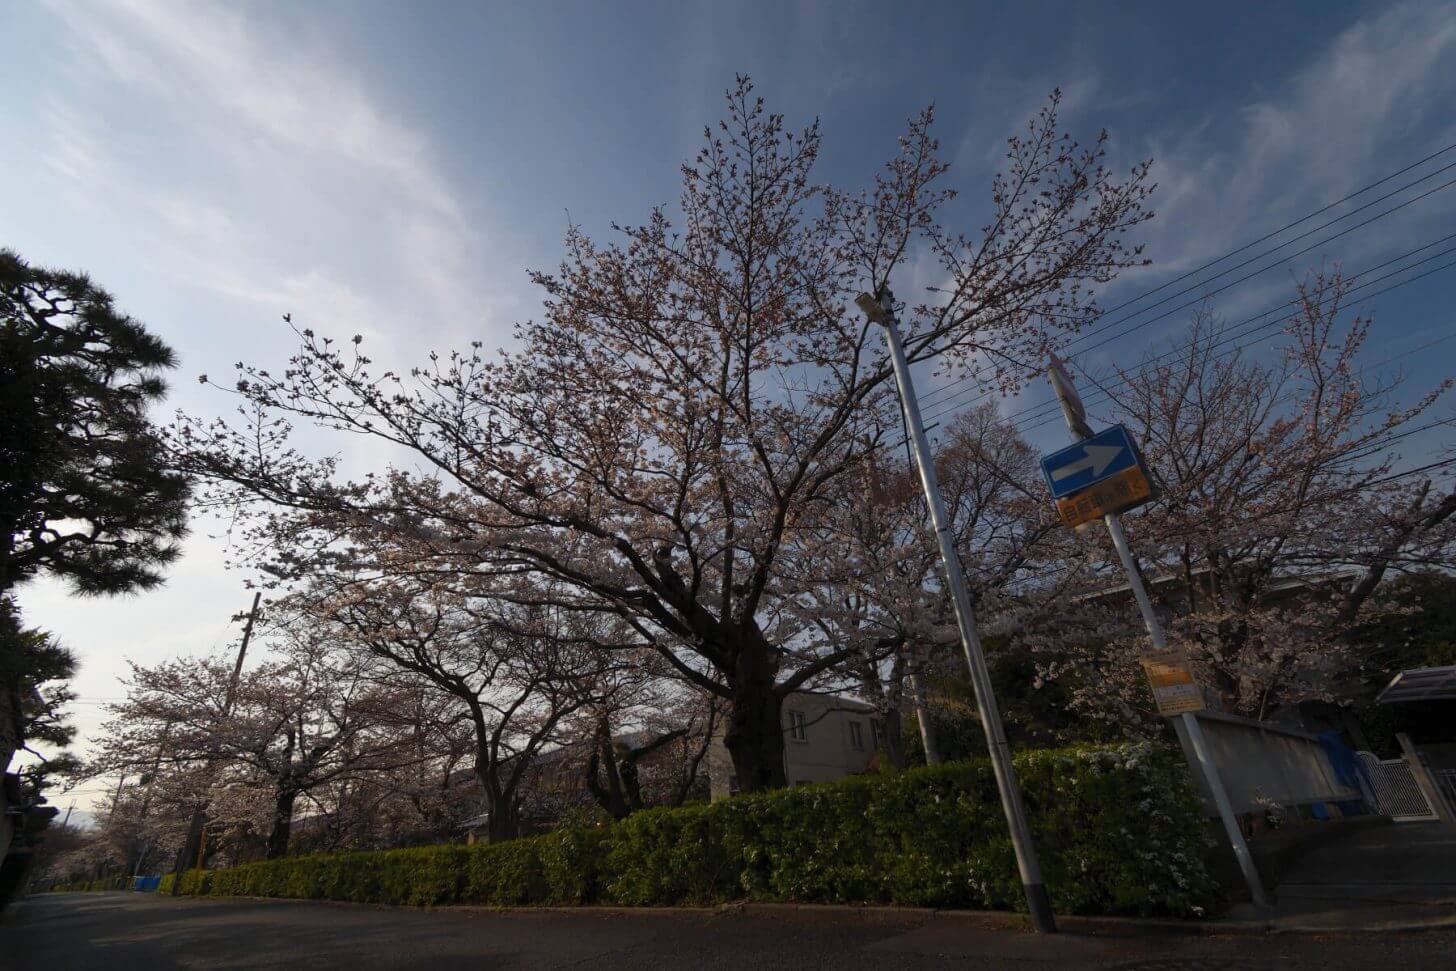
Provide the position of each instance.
(146, 884)
(1347, 769)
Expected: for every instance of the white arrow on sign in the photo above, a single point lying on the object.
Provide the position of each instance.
(1098, 457)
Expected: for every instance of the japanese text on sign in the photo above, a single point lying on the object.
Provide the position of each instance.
(1123, 491)
(1175, 690)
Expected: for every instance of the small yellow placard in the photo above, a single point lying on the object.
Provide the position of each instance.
(1124, 490)
(1175, 690)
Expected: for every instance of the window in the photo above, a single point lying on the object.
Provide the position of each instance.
(877, 733)
(798, 728)
(733, 785)
(856, 736)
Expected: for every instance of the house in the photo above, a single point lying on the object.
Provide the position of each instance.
(826, 737)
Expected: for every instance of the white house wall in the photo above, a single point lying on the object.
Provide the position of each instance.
(827, 753)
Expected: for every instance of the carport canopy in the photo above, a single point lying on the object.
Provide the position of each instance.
(1420, 684)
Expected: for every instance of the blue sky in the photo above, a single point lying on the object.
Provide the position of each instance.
(394, 169)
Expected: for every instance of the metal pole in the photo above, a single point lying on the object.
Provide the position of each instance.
(1196, 749)
(1026, 861)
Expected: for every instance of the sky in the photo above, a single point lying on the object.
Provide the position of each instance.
(394, 170)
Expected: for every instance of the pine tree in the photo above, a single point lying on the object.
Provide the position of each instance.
(87, 493)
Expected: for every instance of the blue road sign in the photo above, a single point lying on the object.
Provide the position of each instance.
(1089, 461)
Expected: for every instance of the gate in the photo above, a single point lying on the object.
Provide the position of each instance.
(1396, 793)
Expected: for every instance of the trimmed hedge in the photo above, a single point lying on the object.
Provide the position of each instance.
(1118, 829)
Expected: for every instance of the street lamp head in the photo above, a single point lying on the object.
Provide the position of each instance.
(874, 309)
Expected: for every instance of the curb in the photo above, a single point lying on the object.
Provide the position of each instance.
(987, 920)
(1106, 926)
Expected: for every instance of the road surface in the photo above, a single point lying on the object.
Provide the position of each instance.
(121, 932)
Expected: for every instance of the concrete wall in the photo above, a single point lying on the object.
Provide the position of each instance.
(1262, 763)
(826, 752)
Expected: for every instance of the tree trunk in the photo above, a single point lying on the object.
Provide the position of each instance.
(503, 812)
(755, 731)
(755, 740)
(894, 739)
(282, 824)
(603, 760)
(503, 823)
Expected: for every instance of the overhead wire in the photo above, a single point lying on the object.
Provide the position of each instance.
(1201, 298)
(1245, 328)
(1267, 236)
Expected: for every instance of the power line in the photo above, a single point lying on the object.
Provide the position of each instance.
(1284, 259)
(1267, 236)
(1287, 226)
(1204, 296)
(1270, 327)
(1240, 331)
(1234, 334)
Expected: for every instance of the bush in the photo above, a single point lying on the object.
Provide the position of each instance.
(1118, 830)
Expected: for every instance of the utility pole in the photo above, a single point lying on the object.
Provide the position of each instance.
(192, 845)
(116, 798)
(922, 709)
(147, 799)
(882, 312)
(227, 705)
(1190, 733)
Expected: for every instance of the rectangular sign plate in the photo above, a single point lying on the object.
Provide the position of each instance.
(1090, 461)
(1119, 493)
(1175, 690)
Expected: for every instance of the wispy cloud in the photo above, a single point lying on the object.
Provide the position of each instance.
(272, 133)
(227, 172)
(1376, 98)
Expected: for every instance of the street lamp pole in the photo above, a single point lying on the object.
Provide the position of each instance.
(882, 312)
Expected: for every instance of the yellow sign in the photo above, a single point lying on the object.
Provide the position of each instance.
(1124, 490)
(1175, 690)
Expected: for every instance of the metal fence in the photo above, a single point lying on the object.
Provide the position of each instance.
(1266, 765)
(1397, 793)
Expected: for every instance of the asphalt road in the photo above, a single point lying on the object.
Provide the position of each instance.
(119, 932)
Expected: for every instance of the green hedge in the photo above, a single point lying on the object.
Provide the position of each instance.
(1118, 829)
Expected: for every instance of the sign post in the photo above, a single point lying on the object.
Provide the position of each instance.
(1175, 690)
(882, 312)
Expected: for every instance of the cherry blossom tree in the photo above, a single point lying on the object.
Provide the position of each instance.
(649, 743)
(877, 580)
(518, 672)
(1280, 512)
(654, 443)
(292, 724)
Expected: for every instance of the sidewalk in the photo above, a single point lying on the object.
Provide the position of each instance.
(1392, 877)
